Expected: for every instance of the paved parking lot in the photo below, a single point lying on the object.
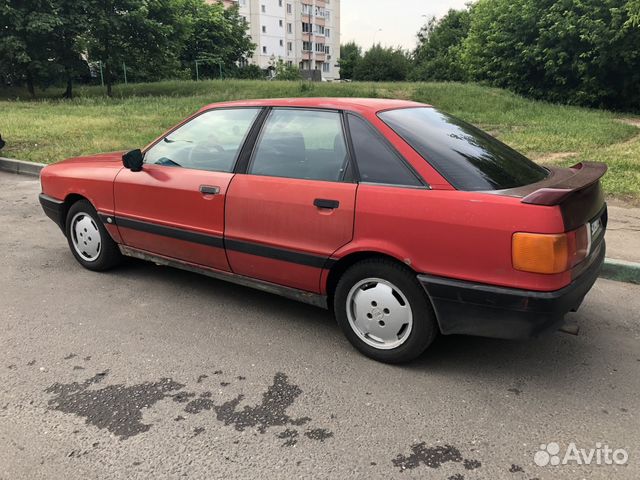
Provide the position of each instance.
(151, 372)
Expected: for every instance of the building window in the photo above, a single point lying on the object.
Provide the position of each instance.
(280, 23)
(307, 46)
(326, 67)
(289, 28)
(289, 46)
(318, 29)
(327, 32)
(327, 15)
(264, 49)
(326, 49)
(289, 8)
(289, 63)
(280, 3)
(320, 47)
(264, 9)
(264, 29)
(282, 43)
(306, 9)
(306, 27)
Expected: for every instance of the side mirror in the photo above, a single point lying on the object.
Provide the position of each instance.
(133, 160)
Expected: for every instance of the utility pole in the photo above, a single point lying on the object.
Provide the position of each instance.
(124, 69)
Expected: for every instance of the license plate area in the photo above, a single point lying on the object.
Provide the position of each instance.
(596, 228)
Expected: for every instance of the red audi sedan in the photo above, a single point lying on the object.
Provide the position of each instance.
(404, 220)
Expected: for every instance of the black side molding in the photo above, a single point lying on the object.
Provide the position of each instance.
(177, 233)
(252, 248)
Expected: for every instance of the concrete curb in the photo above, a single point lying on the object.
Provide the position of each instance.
(21, 166)
(621, 271)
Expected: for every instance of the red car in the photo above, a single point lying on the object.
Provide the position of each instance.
(404, 220)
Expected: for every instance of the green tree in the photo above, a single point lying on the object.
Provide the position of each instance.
(27, 28)
(382, 64)
(438, 56)
(571, 51)
(633, 9)
(213, 33)
(350, 55)
(143, 34)
(66, 40)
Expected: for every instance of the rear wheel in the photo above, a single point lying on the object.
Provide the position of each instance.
(89, 241)
(383, 311)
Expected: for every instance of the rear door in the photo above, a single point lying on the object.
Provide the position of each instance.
(295, 204)
(175, 206)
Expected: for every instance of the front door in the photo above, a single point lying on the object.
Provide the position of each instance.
(175, 206)
(292, 209)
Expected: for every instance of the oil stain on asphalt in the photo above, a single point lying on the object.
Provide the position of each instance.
(272, 411)
(433, 457)
(119, 408)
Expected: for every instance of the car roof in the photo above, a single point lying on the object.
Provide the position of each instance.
(360, 105)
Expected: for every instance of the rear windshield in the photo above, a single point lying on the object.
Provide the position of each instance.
(464, 155)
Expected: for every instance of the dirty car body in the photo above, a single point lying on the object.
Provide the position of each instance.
(351, 204)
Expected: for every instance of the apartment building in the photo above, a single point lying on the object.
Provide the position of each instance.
(305, 33)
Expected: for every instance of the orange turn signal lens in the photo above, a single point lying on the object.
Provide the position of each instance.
(540, 253)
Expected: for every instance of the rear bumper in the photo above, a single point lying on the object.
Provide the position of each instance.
(53, 209)
(488, 311)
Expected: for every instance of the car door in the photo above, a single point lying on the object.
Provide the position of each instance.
(293, 207)
(175, 206)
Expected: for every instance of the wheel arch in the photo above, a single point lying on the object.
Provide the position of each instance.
(343, 264)
(69, 200)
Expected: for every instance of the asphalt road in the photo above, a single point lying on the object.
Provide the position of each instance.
(151, 372)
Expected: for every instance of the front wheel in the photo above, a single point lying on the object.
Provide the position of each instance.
(384, 312)
(89, 241)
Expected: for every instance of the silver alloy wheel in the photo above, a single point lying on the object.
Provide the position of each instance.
(379, 313)
(85, 236)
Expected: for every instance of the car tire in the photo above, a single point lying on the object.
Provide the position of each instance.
(89, 241)
(384, 311)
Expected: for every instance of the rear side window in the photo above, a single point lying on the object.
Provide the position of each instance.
(467, 157)
(377, 161)
(304, 144)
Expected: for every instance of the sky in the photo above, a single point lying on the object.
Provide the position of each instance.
(399, 20)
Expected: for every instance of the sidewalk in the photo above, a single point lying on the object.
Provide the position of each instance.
(623, 233)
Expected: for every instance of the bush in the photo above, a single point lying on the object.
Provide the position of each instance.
(382, 64)
(584, 52)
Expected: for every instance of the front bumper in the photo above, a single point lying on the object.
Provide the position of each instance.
(53, 208)
(470, 308)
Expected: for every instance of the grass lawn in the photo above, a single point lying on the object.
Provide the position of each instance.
(49, 129)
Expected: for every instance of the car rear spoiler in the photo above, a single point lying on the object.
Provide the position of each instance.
(584, 175)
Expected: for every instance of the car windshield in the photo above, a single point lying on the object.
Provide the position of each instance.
(464, 155)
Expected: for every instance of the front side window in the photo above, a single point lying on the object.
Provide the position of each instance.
(305, 144)
(467, 157)
(211, 141)
(377, 161)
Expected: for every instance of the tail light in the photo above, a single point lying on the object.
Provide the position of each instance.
(550, 253)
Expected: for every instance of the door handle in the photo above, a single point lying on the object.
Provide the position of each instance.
(209, 190)
(323, 203)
